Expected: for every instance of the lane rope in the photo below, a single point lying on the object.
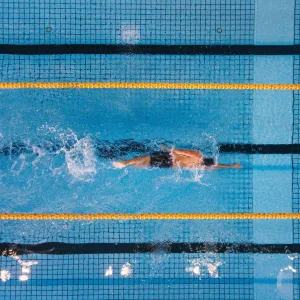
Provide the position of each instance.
(147, 85)
(152, 216)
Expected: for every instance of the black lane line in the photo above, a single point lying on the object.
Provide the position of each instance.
(150, 49)
(8, 249)
(105, 149)
(261, 148)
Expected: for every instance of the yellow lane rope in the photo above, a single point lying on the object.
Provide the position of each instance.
(147, 85)
(152, 216)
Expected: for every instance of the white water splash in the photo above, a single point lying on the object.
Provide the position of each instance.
(25, 267)
(288, 268)
(292, 257)
(109, 271)
(194, 270)
(39, 152)
(79, 153)
(23, 277)
(126, 270)
(284, 283)
(81, 161)
(4, 275)
(209, 264)
(19, 165)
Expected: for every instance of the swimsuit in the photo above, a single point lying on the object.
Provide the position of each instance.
(161, 159)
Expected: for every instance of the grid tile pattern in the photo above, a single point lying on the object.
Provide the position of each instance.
(127, 68)
(297, 22)
(183, 22)
(147, 231)
(127, 22)
(154, 276)
(296, 157)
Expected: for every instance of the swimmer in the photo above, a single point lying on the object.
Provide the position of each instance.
(174, 158)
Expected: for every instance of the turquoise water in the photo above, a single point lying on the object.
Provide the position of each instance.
(89, 181)
(50, 160)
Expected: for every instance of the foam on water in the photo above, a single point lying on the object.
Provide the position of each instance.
(4, 275)
(126, 270)
(81, 161)
(199, 265)
(18, 165)
(79, 166)
(108, 272)
(25, 269)
(284, 282)
(79, 153)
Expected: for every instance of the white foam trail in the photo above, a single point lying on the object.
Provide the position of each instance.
(4, 275)
(81, 161)
(126, 270)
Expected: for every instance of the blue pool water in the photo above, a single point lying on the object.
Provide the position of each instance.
(50, 160)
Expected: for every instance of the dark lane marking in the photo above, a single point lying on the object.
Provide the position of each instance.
(106, 149)
(150, 49)
(115, 248)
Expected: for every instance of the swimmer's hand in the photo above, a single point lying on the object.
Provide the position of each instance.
(237, 166)
(118, 165)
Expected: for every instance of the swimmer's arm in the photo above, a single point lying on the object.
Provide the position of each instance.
(189, 153)
(232, 166)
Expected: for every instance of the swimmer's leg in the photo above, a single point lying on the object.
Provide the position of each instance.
(233, 166)
(137, 162)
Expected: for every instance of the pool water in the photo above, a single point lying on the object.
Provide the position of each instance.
(53, 149)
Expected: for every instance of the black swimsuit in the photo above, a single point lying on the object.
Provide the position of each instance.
(161, 159)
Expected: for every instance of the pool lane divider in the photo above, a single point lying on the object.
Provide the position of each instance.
(150, 216)
(52, 49)
(58, 248)
(149, 85)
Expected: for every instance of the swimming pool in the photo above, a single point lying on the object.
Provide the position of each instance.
(57, 148)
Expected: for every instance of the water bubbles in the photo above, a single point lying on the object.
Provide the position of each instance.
(194, 270)
(23, 277)
(108, 272)
(4, 275)
(126, 270)
(130, 34)
(206, 263)
(81, 160)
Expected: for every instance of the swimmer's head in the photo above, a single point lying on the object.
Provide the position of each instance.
(208, 162)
